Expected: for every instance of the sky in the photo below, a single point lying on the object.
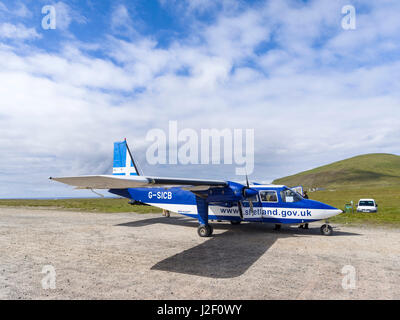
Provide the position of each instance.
(313, 91)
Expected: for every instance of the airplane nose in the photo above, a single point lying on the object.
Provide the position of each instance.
(334, 212)
(328, 211)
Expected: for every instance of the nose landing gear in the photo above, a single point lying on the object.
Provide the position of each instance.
(326, 230)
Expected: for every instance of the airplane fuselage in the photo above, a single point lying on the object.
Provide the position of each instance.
(278, 208)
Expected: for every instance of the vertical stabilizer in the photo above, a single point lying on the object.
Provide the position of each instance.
(124, 164)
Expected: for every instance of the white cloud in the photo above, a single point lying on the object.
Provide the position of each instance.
(65, 15)
(18, 31)
(22, 11)
(125, 22)
(3, 7)
(315, 94)
(190, 5)
(120, 17)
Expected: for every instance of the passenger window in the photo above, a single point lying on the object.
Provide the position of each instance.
(290, 196)
(268, 196)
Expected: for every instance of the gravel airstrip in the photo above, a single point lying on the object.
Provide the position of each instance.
(148, 256)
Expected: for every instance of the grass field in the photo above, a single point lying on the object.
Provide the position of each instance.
(379, 170)
(92, 205)
(345, 180)
(388, 199)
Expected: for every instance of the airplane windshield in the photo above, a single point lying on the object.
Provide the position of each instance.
(288, 195)
(366, 204)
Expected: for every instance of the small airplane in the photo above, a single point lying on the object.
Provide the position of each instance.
(207, 199)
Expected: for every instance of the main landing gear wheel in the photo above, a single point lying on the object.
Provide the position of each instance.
(277, 227)
(235, 222)
(326, 230)
(205, 230)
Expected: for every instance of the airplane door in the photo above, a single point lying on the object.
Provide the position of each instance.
(269, 202)
(252, 209)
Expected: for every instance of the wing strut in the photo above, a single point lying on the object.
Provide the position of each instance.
(99, 194)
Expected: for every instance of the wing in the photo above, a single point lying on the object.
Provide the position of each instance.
(123, 182)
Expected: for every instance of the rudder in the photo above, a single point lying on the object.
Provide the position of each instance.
(124, 164)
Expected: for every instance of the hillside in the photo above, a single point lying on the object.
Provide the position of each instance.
(361, 171)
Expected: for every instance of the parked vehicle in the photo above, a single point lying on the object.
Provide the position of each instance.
(367, 205)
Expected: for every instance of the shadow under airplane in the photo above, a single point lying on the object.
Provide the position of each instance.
(224, 255)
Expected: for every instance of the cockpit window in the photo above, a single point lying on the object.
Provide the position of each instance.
(290, 196)
(268, 196)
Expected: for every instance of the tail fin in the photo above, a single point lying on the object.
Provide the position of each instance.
(124, 164)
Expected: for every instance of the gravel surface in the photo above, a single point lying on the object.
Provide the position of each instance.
(147, 256)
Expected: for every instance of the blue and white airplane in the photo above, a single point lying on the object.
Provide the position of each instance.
(207, 199)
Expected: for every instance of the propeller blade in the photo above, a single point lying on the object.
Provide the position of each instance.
(251, 207)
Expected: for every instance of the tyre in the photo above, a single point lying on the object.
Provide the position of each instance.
(326, 230)
(204, 230)
(236, 222)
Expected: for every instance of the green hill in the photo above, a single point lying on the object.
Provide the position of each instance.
(368, 170)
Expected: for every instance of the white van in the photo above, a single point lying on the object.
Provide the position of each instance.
(367, 205)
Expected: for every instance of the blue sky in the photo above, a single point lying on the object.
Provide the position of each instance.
(313, 92)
